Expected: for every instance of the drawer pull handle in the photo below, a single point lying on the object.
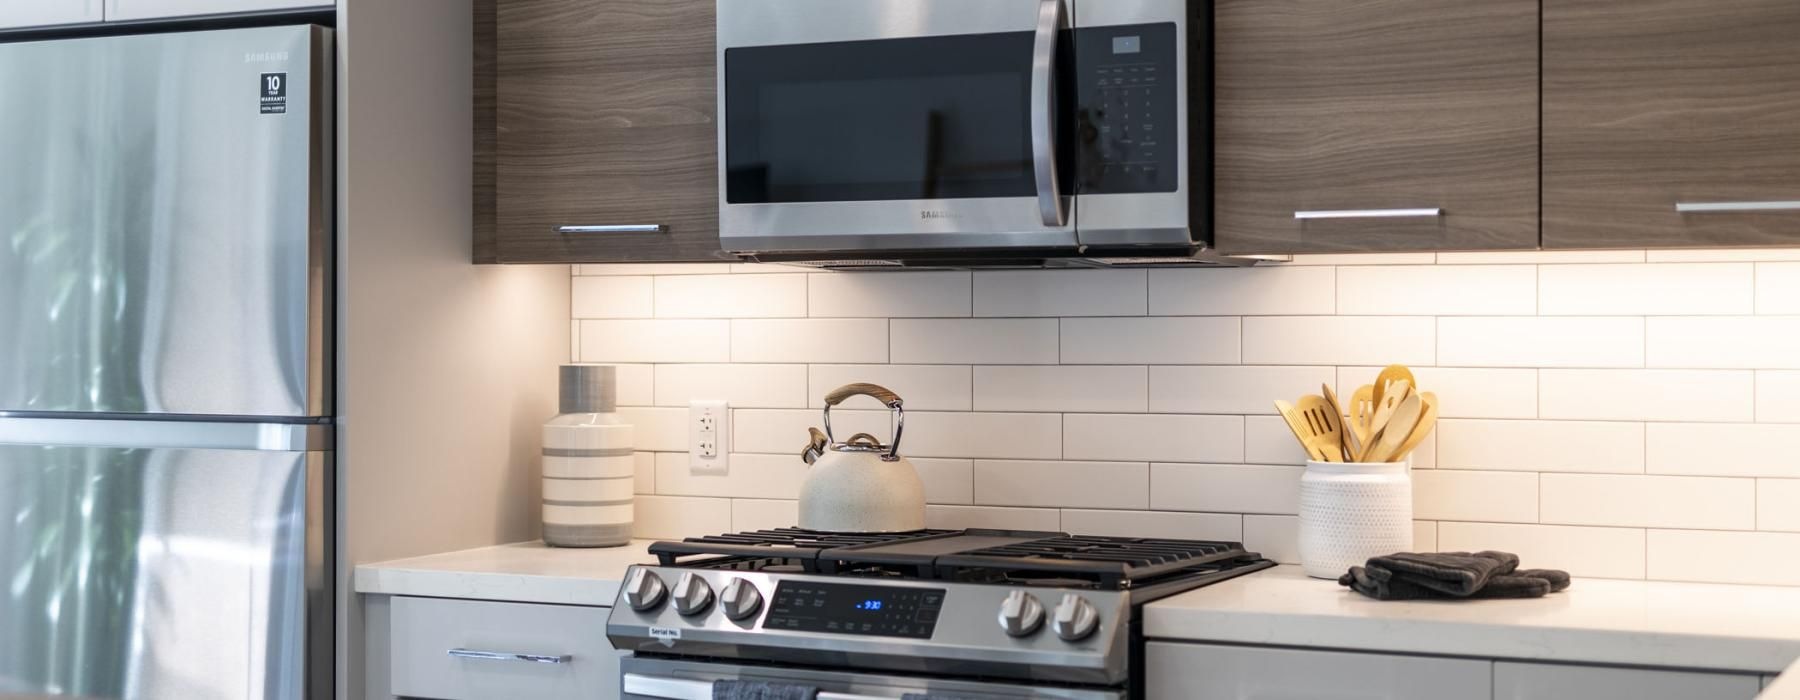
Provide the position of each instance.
(509, 656)
(1368, 214)
(1727, 207)
(619, 228)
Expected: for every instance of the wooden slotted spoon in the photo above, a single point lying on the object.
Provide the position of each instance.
(1427, 420)
(1352, 446)
(1384, 382)
(1401, 422)
(1325, 428)
(1385, 404)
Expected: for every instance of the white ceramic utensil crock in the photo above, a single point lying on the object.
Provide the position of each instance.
(860, 485)
(1351, 511)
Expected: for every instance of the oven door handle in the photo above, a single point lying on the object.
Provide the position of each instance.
(683, 689)
(1043, 112)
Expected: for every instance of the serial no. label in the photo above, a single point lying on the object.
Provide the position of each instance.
(665, 633)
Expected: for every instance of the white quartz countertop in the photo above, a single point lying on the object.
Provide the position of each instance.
(1787, 687)
(525, 572)
(1597, 621)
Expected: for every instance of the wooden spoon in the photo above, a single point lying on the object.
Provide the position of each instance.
(1384, 382)
(1385, 403)
(1352, 446)
(1325, 428)
(1362, 413)
(1427, 420)
(1399, 427)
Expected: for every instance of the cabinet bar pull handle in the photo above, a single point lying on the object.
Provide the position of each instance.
(621, 228)
(509, 656)
(1368, 214)
(1722, 207)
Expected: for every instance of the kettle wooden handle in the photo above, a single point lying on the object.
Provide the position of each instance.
(875, 391)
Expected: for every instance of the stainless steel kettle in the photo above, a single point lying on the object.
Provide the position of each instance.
(860, 485)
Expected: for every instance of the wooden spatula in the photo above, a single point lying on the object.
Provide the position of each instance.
(1362, 413)
(1384, 382)
(1325, 428)
(1385, 403)
(1297, 424)
(1399, 427)
(1352, 442)
(1427, 420)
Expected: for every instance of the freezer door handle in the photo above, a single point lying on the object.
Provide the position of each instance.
(165, 434)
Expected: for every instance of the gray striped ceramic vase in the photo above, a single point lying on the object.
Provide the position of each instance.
(588, 463)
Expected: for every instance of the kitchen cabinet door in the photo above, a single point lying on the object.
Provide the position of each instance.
(1520, 681)
(35, 13)
(605, 116)
(485, 650)
(1376, 125)
(119, 10)
(1210, 672)
(1652, 105)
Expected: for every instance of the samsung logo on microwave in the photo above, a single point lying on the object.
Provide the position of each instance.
(265, 56)
(935, 214)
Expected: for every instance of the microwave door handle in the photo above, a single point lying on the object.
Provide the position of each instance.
(1043, 112)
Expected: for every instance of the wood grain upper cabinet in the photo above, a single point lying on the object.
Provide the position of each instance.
(1651, 104)
(605, 117)
(1341, 125)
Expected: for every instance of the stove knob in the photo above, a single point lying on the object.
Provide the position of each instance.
(740, 599)
(1075, 618)
(1021, 615)
(644, 590)
(692, 595)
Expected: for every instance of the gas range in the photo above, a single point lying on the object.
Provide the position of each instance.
(973, 613)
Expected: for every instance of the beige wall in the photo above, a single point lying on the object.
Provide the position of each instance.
(446, 369)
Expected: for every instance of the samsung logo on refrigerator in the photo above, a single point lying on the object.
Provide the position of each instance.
(265, 56)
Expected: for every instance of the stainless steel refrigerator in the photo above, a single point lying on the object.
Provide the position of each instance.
(165, 365)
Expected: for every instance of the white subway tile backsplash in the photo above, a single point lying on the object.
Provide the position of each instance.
(1729, 557)
(1646, 395)
(1265, 291)
(1151, 341)
(1277, 537)
(1541, 446)
(731, 296)
(1723, 255)
(750, 476)
(1418, 290)
(1599, 413)
(1059, 484)
(783, 431)
(655, 341)
(1053, 293)
(809, 340)
(1648, 501)
(923, 387)
(1153, 437)
(1060, 388)
(950, 517)
(1541, 342)
(1231, 488)
(983, 435)
(1493, 497)
(611, 297)
(1646, 290)
(1600, 552)
(1462, 392)
(1330, 340)
(1027, 341)
(1228, 527)
(1778, 504)
(1724, 449)
(741, 385)
(1232, 389)
(1767, 342)
(888, 294)
(1268, 440)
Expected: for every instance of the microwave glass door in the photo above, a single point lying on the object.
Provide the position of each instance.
(940, 117)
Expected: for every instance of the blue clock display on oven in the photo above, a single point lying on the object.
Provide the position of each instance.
(869, 605)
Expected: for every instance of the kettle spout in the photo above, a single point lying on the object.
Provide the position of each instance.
(815, 446)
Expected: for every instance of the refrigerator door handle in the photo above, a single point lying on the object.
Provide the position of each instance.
(156, 434)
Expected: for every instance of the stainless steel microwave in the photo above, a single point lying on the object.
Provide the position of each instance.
(966, 129)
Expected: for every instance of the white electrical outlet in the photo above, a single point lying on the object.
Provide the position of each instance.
(709, 437)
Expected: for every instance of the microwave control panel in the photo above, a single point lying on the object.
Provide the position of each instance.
(1128, 87)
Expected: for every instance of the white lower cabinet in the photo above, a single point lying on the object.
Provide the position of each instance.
(1207, 672)
(1522, 681)
(446, 649)
(117, 10)
(36, 13)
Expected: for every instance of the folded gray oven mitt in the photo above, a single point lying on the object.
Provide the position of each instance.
(1451, 576)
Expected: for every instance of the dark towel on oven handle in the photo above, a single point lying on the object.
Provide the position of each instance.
(762, 690)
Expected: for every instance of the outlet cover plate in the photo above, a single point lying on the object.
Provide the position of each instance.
(709, 437)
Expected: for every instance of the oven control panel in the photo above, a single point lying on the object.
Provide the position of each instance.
(1128, 88)
(843, 608)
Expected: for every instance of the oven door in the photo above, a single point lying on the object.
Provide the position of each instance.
(645, 678)
(894, 125)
